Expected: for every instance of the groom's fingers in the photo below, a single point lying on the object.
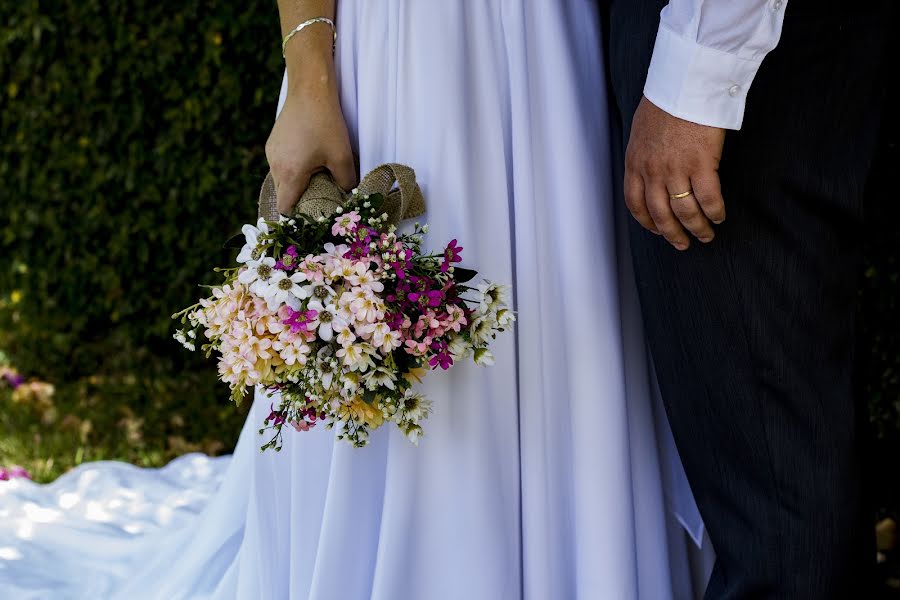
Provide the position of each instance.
(660, 209)
(635, 201)
(687, 210)
(708, 191)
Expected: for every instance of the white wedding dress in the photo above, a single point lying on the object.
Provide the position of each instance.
(549, 476)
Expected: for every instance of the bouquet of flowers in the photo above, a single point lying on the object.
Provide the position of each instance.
(342, 314)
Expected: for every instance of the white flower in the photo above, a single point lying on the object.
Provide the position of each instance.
(284, 289)
(412, 433)
(381, 335)
(414, 407)
(381, 377)
(505, 318)
(483, 328)
(492, 296)
(483, 357)
(180, 337)
(350, 383)
(357, 357)
(251, 237)
(366, 306)
(327, 319)
(345, 336)
(365, 279)
(459, 348)
(257, 274)
(336, 252)
(327, 366)
(292, 353)
(319, 290)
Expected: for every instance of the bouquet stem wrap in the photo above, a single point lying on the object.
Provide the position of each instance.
(324, 196)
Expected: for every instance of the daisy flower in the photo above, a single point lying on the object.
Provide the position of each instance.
(284, 289)
(327, 319)
(251, 249)
(484, 357)
(414, 407)
(257, 274)
(381, 377)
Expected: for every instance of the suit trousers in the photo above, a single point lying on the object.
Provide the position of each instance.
(753, 334)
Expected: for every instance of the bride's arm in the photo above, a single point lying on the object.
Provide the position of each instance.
(310, 133)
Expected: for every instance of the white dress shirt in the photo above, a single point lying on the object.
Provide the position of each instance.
(706, 55)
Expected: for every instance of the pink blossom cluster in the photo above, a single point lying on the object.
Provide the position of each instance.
(14, 472)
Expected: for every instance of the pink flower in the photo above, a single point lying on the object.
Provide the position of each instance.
(307, 422)
(455, 318)
(19, 472)
(312, 267)
(14, 472)
(345, 224)
(418, 348)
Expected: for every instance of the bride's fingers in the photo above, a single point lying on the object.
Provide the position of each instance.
(288, 191)
(344, 172)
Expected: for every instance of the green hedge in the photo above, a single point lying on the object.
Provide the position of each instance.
(131, 144)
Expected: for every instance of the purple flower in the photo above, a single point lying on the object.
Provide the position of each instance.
(275, 417)
(402, 264)
(400, 294)
(359, 248)
(422, 294)
(394, 320)
(14, 380)
(289, 260)
(442, 357)
(451, 255)
(300, 319)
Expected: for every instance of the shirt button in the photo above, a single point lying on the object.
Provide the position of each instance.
(734, 91)
(777, 4)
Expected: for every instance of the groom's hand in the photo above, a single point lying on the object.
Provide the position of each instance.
(667, 157)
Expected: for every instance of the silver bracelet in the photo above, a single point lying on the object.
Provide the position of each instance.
(306, 24)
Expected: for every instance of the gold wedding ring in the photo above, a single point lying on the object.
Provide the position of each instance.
(681, 195)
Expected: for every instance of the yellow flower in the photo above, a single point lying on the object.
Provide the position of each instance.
(362, 412)
(415, 374)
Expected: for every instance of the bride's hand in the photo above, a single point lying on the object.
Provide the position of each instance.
(310, 135)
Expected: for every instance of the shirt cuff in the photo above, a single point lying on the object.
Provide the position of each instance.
(698, 83)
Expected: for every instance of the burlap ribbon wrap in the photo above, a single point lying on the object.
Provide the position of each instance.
(323, 195)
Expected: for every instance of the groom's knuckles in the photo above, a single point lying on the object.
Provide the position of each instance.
(708, 192)
(633, 187)
(688, 213)
(665, 220)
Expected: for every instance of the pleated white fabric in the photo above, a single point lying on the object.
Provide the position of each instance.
(550, 475)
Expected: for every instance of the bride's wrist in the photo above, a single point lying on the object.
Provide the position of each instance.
(310, 69)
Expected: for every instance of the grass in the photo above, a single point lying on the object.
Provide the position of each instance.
(143, 420)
